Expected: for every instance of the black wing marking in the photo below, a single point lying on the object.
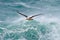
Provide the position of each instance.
(22, 14)
(35, 15)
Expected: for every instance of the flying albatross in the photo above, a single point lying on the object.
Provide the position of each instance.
(28, 18)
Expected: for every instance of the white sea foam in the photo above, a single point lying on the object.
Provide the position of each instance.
(1, 21)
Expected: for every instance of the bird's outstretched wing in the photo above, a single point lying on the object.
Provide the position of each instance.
(22, 14)
(35, 15)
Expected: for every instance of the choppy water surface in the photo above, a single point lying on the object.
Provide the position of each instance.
(14, 26)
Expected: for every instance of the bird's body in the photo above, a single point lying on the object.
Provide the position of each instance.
(29, 18)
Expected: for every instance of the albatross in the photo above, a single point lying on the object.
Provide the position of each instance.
(28, 18)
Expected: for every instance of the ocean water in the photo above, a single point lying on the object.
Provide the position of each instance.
(44, 27)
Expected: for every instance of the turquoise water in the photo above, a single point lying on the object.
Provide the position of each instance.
(14, 26)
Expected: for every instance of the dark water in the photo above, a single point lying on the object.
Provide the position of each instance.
(14, 26)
